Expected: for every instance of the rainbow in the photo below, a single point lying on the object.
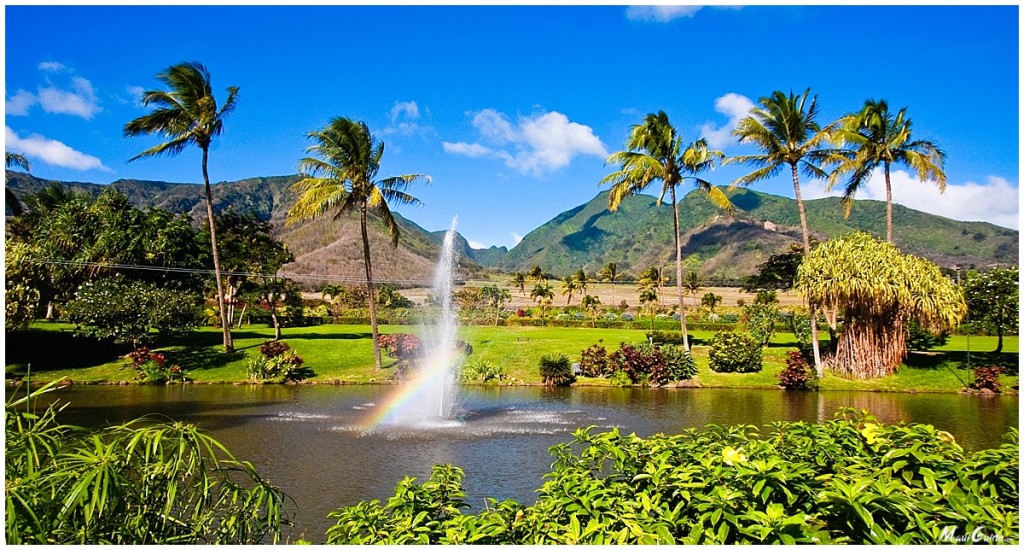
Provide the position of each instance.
(417, 400)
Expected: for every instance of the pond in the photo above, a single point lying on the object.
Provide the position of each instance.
(318, 442)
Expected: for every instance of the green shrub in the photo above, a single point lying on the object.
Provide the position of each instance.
(922, 339)
(734, 352)
(851, 480)
(556, 370)
(482, 371)
(278, 362)
(761, 321)
(140, 483)
(681, 363)
(620, 379)
(800, 326)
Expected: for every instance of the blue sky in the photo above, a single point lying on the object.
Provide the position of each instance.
(512, 110)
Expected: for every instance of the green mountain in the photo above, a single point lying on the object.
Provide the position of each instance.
(722, 247)
(637, 236)
(325, 249)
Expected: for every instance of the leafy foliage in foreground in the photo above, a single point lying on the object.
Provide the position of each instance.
(851, 480)
(131, 484)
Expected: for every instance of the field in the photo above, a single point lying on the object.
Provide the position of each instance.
(344, 353)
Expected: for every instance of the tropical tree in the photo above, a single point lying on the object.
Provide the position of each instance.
(582, 281)
(591, 303)
(786, 130)
(692, 284)
(654, 151)
(878, 290)
(880, 139)
(14, 160)
(609, 273)
(543, 295)
(993, 300)
(495, 297)
(649, 301)
(711, 301)
(650, 279)
(537, 274)
(570, 285)
(340, 177)
(519, 281)
(187, 114)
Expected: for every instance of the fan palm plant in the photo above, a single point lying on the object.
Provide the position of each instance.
(187, 114)
(341, 178)
(655, 151)
(881, 139)
(786, 130)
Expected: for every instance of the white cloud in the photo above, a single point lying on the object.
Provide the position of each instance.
(82, 101)
(476, 245)
(534, 144)
(51, 66)
(472, 150)
(51, 151)
(996, 201)
(407, 108)
(735, 107)
(20, 103)
(516, 238)
(660, 14)
(135, 93)
(404, 116)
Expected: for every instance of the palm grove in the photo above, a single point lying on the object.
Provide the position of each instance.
(65, 250)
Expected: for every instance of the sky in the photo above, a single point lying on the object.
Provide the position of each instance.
(513, 110)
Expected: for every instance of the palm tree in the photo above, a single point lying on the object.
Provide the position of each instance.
(12, 160)
(582, 281)
(785, 130)
(542, 294)
(692, 283)
(654, 151)
(570, 285)
(519, 281)
(591, 304)
(711, 301)
(341, 178)
(880, 139)
(187, 114)
(537, 274)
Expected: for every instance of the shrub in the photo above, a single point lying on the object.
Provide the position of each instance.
(151, 367)
(681, 364)
(620, 379)
(556, 370)
(922, 339)
(594, 362)
(277, 361)
(138, 483)
(798, 374)
(734, 352)
(987, 378)
(628, 317)
(666, 337)
(766, 297)
(125, 311)
(761, 322)
(482, 371)
(851, 480)
(647, 363)
(611, 317)
(800, 326)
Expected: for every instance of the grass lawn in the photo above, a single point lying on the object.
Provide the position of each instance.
(344, 352)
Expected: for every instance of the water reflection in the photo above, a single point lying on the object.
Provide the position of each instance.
(313, 442)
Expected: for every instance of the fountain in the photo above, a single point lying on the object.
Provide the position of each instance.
(430, 398)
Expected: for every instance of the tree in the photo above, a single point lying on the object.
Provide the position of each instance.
(247, 248)
(879, 290)
(495, 297)
(543, 295)
(341, 178)
(880, 139)
(609, 273)
(14, 160)
(993, 299)
(650, 279)
(537, 274)
(22, 278)
(519, 281)
(786, 131)
(711, 301)
(187, 114)
(654, 151)
(570, 285)
(649, 300)
(778, 273)
(582, 281)
(692, 284)
(279, 296)
(591, 304)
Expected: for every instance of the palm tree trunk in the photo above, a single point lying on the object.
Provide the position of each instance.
(679, 268)
(370, 291)
(888, 206)
(229, 345)
(818, 368)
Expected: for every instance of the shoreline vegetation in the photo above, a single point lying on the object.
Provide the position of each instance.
(338, 355)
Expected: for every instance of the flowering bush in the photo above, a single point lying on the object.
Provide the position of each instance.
(125, 311)
(151, 367)
(277, 361)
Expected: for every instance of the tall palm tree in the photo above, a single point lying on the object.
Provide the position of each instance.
(610, 273)
(881, 139)
(12, 160)
(537, 274)
(570, 285)
(187, 114)
(654, 151)
(341, 178)
(519, 281)
(786, 131)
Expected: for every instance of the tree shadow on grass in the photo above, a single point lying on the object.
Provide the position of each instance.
(193, 358)
(321, 336)
(48, 350)
(962, 360)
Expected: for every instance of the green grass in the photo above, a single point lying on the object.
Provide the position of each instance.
(344, 352)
